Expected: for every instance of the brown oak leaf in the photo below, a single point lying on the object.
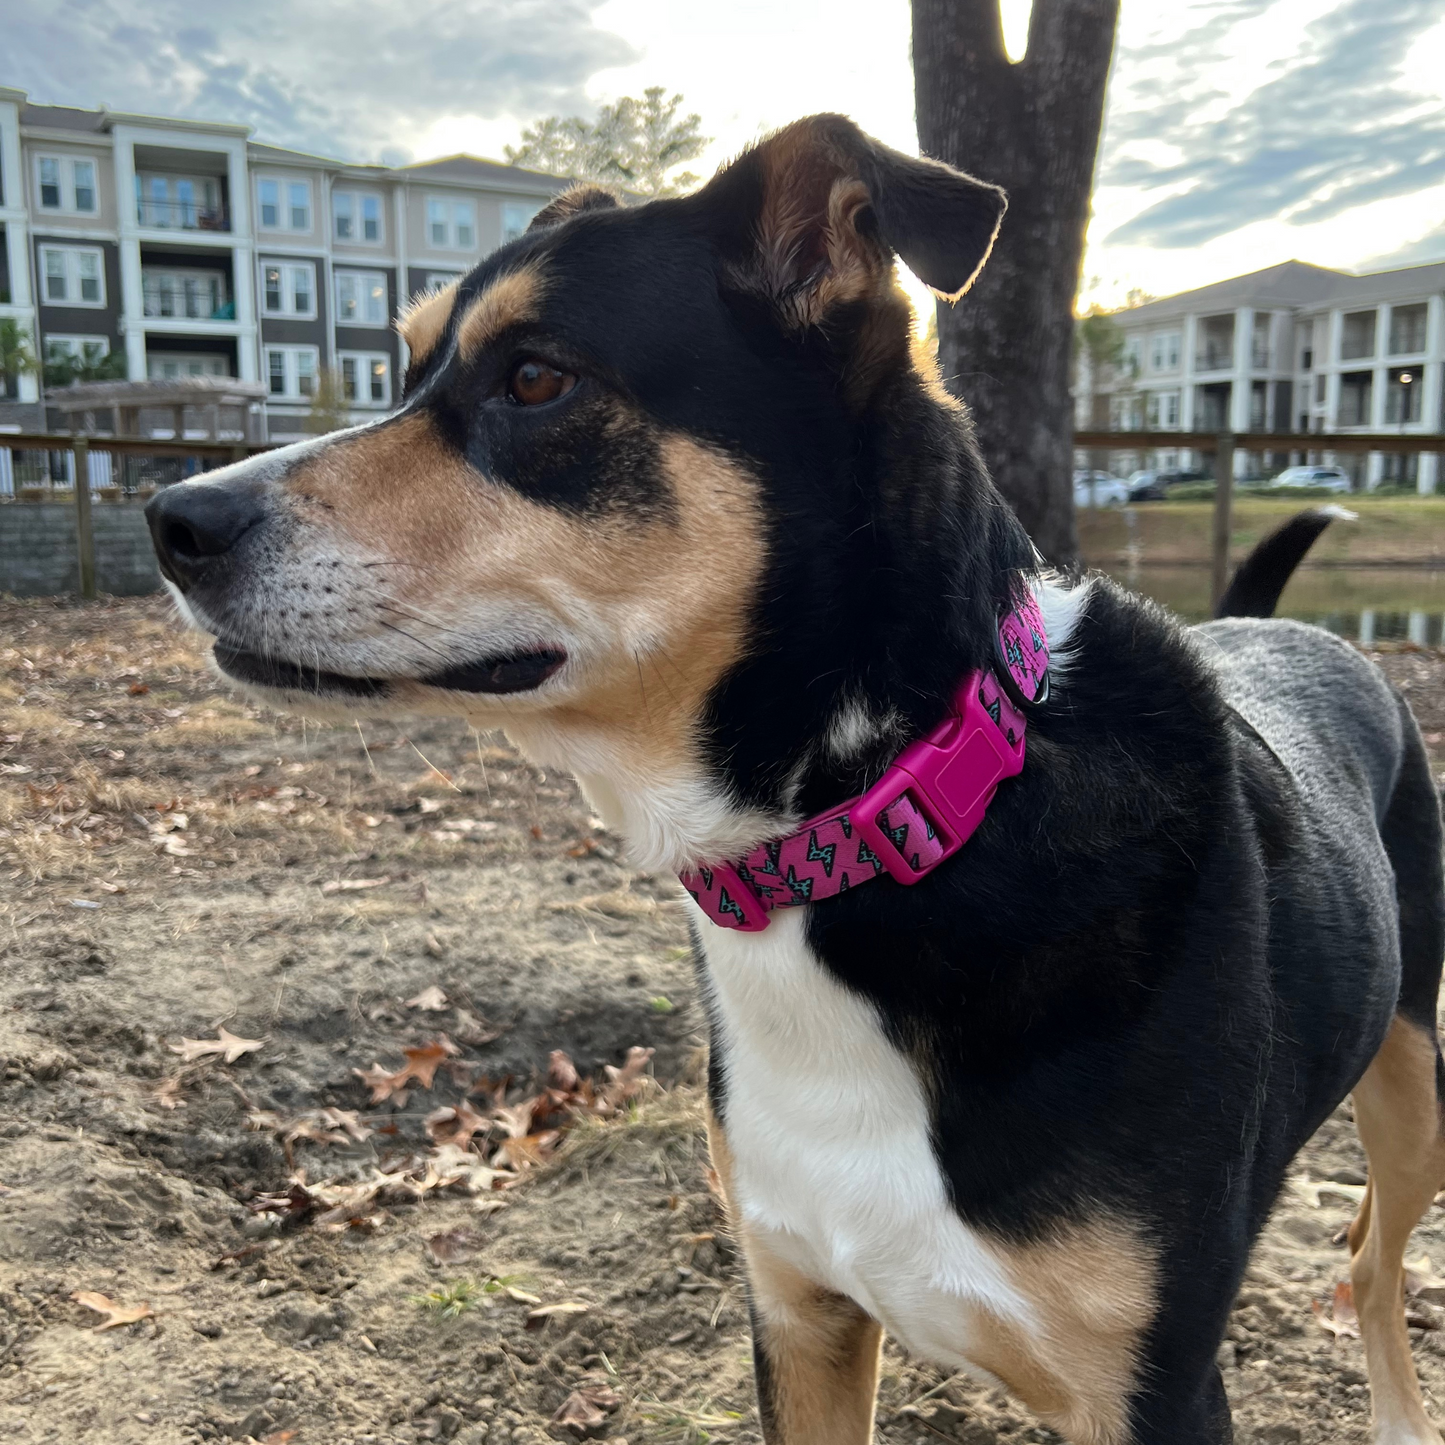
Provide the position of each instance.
(115, 1314)
(586, 1409)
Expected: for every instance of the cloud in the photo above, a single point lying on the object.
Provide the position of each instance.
(1428, 248)
(1334, 126)
(349, 80)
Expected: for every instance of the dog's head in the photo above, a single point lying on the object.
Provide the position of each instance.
(633, 454)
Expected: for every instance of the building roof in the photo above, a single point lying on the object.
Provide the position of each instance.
(473, 170)
(1376, 286)
(1291, 283)
(65, 117)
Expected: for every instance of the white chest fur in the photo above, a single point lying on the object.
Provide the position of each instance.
(828, 1129)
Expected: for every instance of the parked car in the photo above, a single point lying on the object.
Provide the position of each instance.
(1099, 489)
(1154, 486)
(1325, 479)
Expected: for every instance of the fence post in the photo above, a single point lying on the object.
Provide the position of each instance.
(1223, 516)
(84, 527)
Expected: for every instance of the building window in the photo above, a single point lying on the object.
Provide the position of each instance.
(1403, 401)
(366, 377)
(440, 280)
(1357, 336)
(194, 295)
(66, 185)
(87, 350)
(356, 216)
(1163, 410)
(49, 183)
(1164, 351)
(464, 219)
(285, 206)
(74, 276)
(1133, 358)
(1356, 389)
(516, 217)
(83, 173)
(173, 365)
(288, 288)
(1260, 351)
(451, 225)
(1407, 329)
(291, 371)
(361, 298)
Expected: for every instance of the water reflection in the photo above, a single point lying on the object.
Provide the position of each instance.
(1364, 604)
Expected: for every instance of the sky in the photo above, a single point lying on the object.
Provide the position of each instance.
(1238, 133)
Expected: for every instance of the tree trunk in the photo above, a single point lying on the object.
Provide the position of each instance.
(1032, 128)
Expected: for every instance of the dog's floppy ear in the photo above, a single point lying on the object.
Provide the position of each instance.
(821, 207)
(572, 203)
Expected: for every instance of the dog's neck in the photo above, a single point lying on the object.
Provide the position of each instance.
(817, 712)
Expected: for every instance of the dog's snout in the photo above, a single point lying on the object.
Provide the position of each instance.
(194, 525)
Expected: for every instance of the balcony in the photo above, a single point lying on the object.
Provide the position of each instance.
(1214, 345)
(182, 216)
(1214, 358)
(166, 201)
(188, 295)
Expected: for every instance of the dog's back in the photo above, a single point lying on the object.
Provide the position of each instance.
(1363, 864)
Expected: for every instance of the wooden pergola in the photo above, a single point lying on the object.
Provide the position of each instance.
(192, 408)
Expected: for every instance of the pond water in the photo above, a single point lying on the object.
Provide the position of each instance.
(1365, 604)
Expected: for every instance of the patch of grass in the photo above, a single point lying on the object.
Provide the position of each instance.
(664, 1130)
(688, 1425)
(457, 1296)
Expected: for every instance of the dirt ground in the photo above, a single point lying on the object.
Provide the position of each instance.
(174, 863)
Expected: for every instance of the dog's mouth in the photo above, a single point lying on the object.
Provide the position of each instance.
(510, 672)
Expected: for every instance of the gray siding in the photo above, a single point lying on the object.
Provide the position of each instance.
(37, 549)
(290, 330)
(81, 320)
(373, 338)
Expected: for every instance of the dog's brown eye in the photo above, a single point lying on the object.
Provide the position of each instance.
(534, 382)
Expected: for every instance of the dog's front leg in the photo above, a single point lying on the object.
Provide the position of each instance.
(815, 1352)
(816, 1358)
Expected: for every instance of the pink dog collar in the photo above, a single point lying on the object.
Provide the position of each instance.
(922, 810)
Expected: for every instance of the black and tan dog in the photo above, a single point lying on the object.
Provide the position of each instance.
(671, 499)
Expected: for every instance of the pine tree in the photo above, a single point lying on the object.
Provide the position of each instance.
(636, 144)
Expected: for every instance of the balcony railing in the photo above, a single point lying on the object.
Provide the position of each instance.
(182, 216)
(195, 296)
(1214, 358)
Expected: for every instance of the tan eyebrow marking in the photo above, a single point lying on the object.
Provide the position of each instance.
(511, 298)
(426, 318)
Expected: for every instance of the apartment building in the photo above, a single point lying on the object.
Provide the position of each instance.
(1293, 348)
(186, 248)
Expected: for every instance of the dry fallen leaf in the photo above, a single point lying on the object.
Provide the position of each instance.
(1342, 1319)
(421, 1065)
(352, 885)
(1421, 1282)
(586, 1409)
(432, 1000)
(115, 1314)
(225, 1043)
(537, 1319)
(455, 1125)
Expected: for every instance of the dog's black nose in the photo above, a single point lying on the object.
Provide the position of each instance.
(194, 525)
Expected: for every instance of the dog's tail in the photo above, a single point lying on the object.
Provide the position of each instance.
(1254, 589)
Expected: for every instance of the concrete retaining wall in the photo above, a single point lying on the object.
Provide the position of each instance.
(37, 549)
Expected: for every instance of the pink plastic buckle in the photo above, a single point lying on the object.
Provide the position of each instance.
(952, 775)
